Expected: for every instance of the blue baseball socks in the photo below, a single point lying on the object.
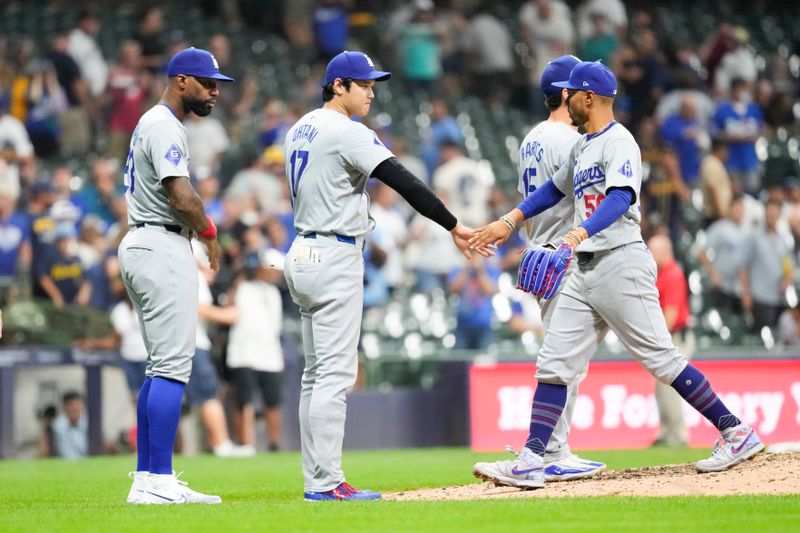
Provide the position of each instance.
(548, 404)
(693, 387)
(158, 412)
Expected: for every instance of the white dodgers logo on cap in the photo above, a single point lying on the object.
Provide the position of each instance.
(214, 60)
(369, 61)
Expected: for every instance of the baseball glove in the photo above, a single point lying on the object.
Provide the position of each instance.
(541, 270)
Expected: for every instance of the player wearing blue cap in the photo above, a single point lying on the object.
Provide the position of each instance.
(329, 159)
(158, 268)
(542, 153)
(612, 288)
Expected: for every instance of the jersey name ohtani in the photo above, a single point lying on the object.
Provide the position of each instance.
(305, 131)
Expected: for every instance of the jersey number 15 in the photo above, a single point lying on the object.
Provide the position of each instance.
(297, 169)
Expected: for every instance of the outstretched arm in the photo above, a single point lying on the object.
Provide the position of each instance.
(499, 231)
(423, 200)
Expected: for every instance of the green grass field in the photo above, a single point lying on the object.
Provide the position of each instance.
(265, 494)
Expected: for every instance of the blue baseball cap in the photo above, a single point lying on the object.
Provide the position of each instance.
(557, 70)
(591, 76)
(353, 65)
(195, 62)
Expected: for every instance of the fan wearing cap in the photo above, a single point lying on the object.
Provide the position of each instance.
(329, 159)
(613, 287)
(158, 269)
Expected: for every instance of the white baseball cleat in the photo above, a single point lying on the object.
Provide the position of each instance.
(525, 472)
(229, 449)
(139, 483)
(570, 468)
(734, 446)
(167, 489)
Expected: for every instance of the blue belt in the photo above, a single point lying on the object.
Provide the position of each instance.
(340, 238)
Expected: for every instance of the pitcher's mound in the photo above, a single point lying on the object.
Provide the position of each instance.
(764, 474)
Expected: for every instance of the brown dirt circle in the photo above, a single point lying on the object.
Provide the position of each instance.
(764, 474)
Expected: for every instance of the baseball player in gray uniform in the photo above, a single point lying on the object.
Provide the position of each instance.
(542, 153)
(329, 159)
(158, 269)
(612, 288)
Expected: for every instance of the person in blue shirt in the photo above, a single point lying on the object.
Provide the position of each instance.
(62, 275)
(475, 283)
(444, 127)
(739, 122)
(15, 242)
(331, 28)
(687, 136)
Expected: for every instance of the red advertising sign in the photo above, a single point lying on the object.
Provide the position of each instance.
(616, 405)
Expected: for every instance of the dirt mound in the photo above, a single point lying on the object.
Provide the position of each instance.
(764, 474)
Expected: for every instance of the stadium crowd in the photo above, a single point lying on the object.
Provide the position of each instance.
(705, 114)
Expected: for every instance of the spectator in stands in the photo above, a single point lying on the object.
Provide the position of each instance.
(150, 36)
(419, 42)
(86, 52)
(61, 275)
(444, 127)
(71, 428)
(76, 120)
(466, 183)
(644, 77)
(255, 355)
(208, 142)
(613, 10)
(128, 85)
(208, 190)
(15, 245)
(475, 284)
(601, 43)
(390, 231)
(685, 133)
(46, 101)
(789, 327)
(673, 297)
(376, 289)
(66, 206)
(715, 183)
(724, 255)
(278, 118)
(45, 446)
(489, 57)
(737, 62)
(97, 196)
(237, 101)
(739, 122)
(201, 391)
(331, 28)
(766, 271)
(546, 28)
(526, 316)
(42, 229)
(256, 180)
(15, 146)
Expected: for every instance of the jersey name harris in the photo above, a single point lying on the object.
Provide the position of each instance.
(586, 177)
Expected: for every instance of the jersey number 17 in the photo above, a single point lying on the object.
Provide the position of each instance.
(297, 169)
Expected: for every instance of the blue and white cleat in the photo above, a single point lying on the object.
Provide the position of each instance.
(571, 468)
(524, 472)
(343, 492)
(736, 444)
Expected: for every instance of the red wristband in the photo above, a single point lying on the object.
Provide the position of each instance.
(211, 231)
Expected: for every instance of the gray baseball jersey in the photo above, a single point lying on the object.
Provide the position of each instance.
(329, 159)
(599, 161)
(544, 151)
(158, 150)
(157, 265)
(616, 289)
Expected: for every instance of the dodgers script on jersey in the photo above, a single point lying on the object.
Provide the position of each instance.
(329, 159)
(158, 150)
(607, 159)
(543, 152)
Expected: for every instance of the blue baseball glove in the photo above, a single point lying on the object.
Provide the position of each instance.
(529, 266)
(541, 270)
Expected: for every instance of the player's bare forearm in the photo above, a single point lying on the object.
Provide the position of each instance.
(497, 232)
(186, 203)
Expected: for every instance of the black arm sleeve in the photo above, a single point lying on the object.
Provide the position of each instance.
(415, 192)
